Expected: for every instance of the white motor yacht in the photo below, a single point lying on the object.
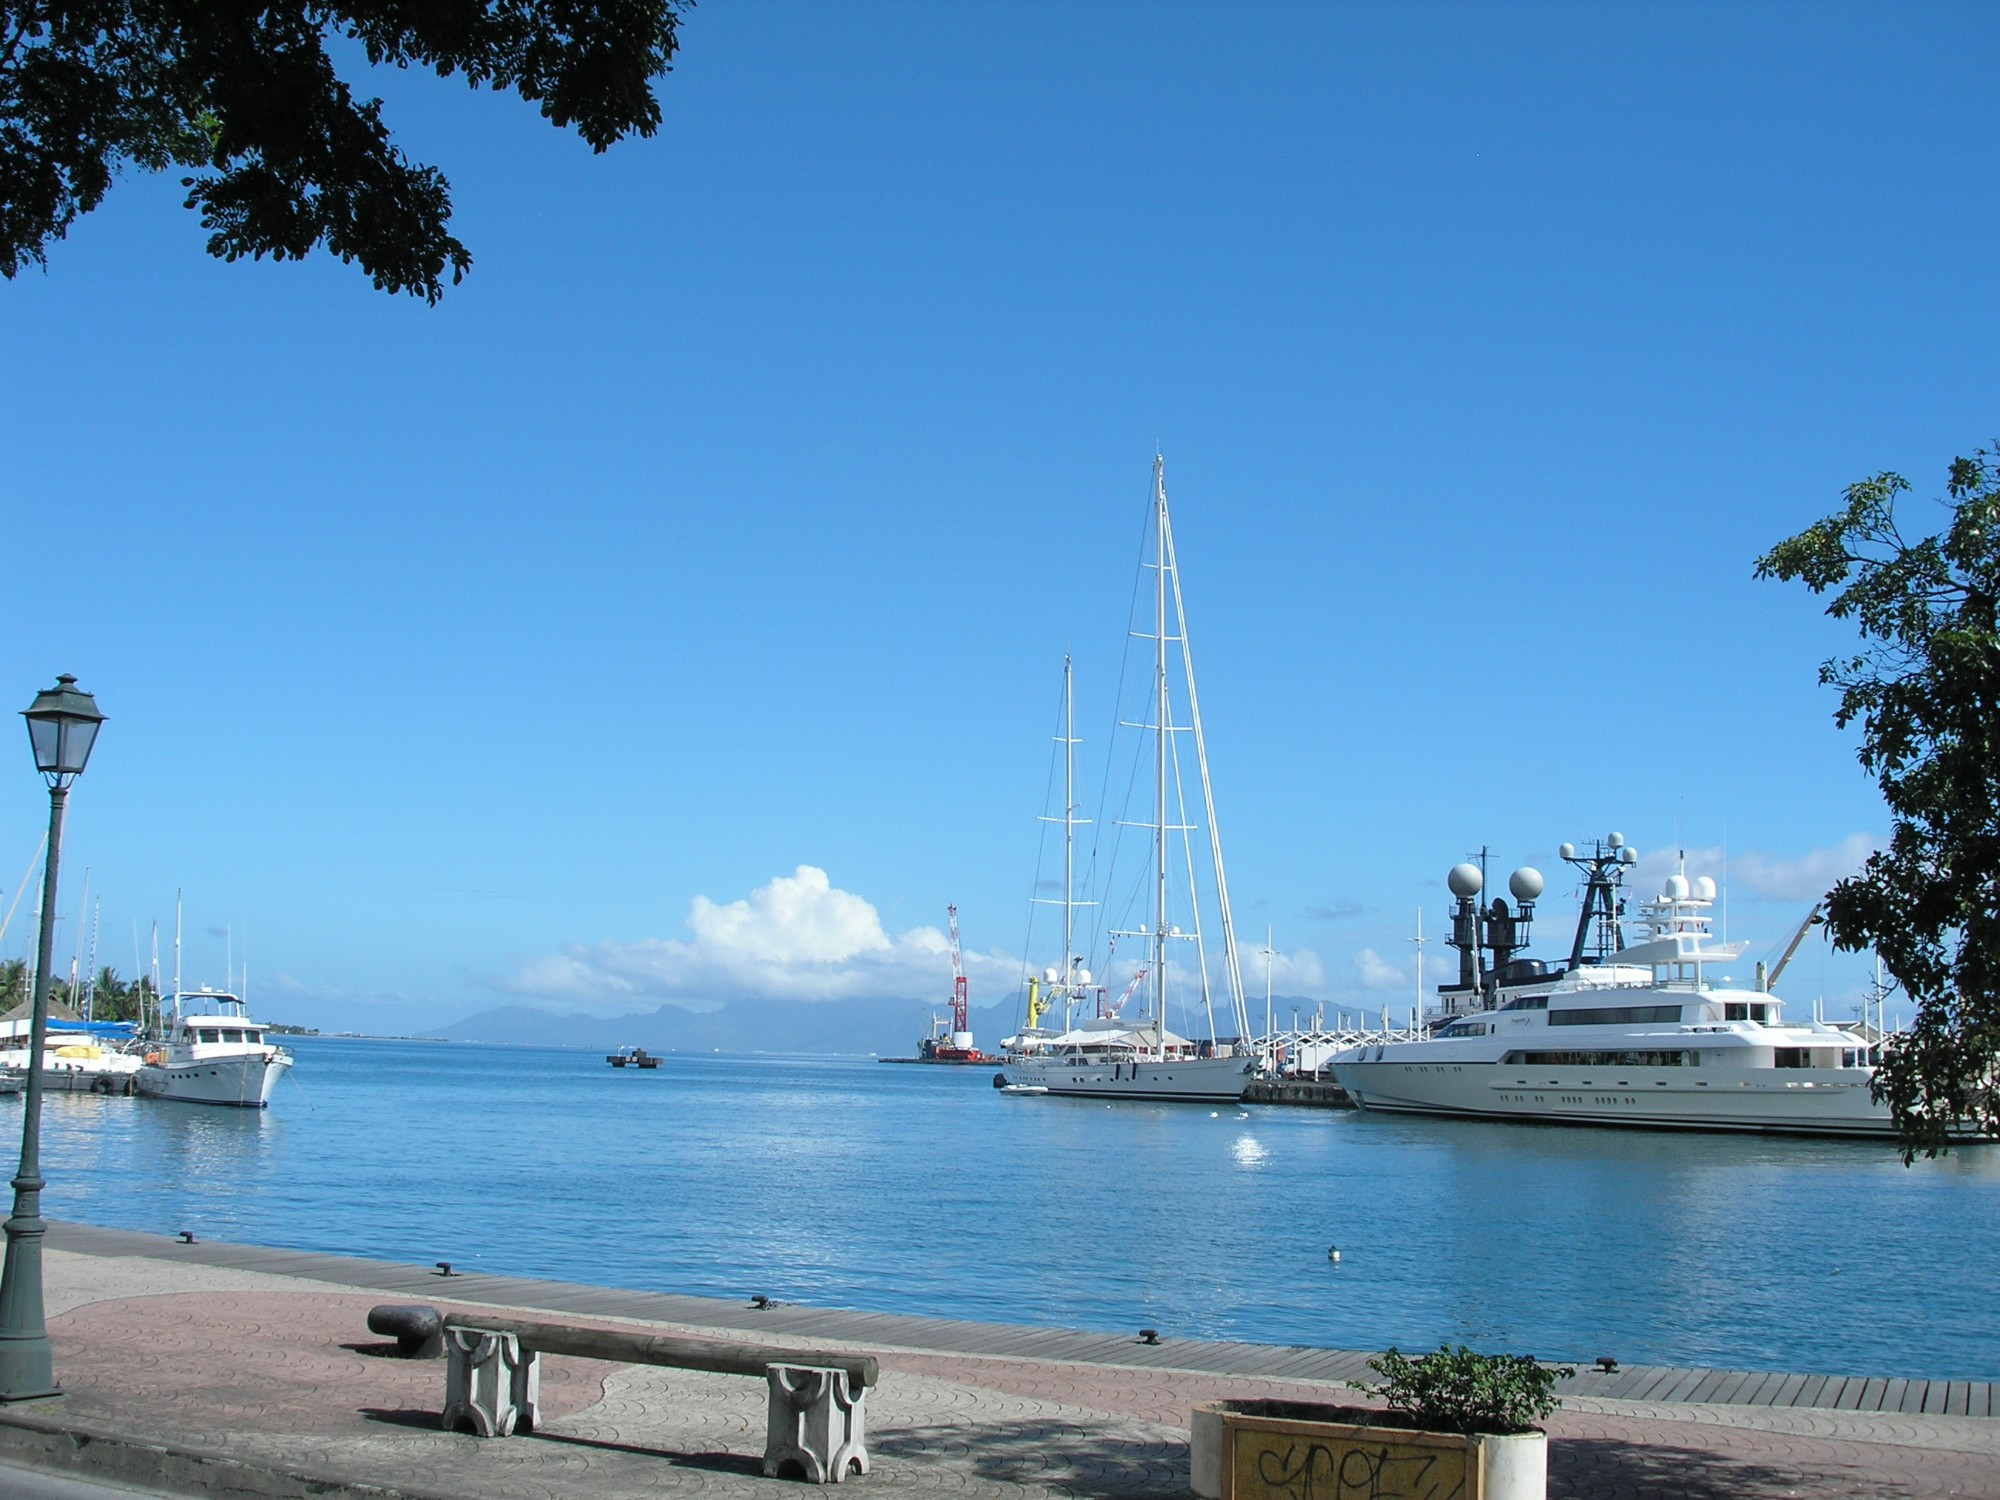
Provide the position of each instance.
(1637, 1034)
(217, 1056)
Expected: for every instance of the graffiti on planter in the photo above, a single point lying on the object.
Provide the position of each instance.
(1284, 1466)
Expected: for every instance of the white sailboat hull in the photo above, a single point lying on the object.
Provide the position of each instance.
(1193, 1080)
(244, 1081)
(1791, 1101)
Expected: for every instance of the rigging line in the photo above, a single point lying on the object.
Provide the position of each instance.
(1193, 897)
(1041, 857)
(1105, 821)
(1232, 966)
(27, 876)
(1106, 781)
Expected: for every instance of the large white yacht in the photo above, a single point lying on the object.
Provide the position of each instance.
(214, 1056)
(1640, 1034)
(1108, 1055)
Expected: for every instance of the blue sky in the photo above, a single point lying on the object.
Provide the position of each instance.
(734, 516)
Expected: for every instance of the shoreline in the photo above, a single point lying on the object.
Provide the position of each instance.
(1702, 1385)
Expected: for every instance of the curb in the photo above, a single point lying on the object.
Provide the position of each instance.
(43, 1440)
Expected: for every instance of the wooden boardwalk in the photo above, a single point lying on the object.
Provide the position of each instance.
(1634, 1383)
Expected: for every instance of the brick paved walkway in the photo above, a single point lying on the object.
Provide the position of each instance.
(279, 1372)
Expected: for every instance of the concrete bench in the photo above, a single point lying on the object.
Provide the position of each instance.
(817, 1424)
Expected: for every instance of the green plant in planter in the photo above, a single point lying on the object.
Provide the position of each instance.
(1456, 1390)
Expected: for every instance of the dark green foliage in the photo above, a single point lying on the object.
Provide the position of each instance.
(1925, 689)
(284, 158)
(111, 998)
(1456, 1390)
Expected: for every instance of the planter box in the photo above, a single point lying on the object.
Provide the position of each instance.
(1302, 1450)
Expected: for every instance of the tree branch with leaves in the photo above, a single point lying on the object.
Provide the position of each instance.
(283, 158)
(1925, 690)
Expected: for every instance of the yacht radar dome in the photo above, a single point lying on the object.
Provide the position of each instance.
(1615, 841)
(1566, 851)
(1465, 879)
(1525, 883)
(1083, 976)
(1677, 888)
(1628, 855)
(1049, 974)
(1704, 888)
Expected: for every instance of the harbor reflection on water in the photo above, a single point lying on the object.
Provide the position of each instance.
(925, 1190)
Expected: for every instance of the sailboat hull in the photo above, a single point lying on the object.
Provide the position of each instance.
(1189, 1080)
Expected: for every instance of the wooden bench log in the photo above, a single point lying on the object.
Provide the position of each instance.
(625, 1346)
(816, 1425)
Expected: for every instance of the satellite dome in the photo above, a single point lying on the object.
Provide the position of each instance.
(1525, 883)
(1566, 851)
(1083, 976)
(1628, 855)
(1677, 888)
(1704, 888)
(1465, 880)
(1616, 840)
(1049, 976)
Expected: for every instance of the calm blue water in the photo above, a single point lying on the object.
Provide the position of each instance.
(909, 1189)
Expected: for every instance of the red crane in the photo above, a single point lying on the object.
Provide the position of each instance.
(960, 1021)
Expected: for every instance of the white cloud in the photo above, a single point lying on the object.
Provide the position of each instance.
(799, 937)
(1808, 877)
(1759, 875)
(1377, 973)
(1297, 972)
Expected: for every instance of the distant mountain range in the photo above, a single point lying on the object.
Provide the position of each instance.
(882, 1028)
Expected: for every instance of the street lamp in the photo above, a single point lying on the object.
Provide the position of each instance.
(62, 726)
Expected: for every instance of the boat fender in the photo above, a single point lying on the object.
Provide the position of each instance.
(101, 1084)
(999, 1080)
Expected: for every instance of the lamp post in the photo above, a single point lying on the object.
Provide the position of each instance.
(62, 725)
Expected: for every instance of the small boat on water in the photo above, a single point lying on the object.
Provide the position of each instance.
(1107, 1055)
(1637, 1033)
(632, 1057)
(78, 1056)
(214, 1056)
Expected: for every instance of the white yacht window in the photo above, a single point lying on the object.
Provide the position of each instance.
(1615, 1015)
(1601, 1059)
(210, 1034)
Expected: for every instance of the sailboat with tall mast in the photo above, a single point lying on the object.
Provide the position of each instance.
(1105, 1054)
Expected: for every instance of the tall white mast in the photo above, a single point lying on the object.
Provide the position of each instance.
(1069, 845)
(1231, 961)
(1420, 940)
(1160, 755)
(177, 953)
(1270, 953)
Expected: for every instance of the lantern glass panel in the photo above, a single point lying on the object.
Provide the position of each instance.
(44, 735)
(78, 736)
